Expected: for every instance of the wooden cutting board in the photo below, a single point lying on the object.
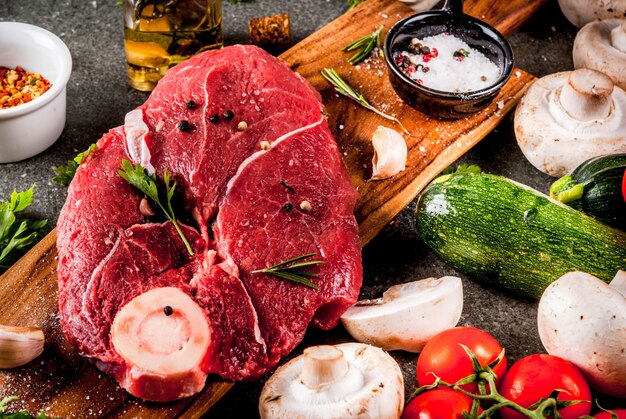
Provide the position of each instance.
(63, 384)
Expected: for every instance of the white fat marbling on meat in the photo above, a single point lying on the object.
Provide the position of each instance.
(256, 155)
(136, 132)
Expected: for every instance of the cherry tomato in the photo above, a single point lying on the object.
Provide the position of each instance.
(620, 413)
(444, 357)
(536, 376)
(440, 403)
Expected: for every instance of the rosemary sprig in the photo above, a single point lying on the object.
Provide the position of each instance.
(365, 45)
(137, 177)
(354, 3)
(292, 270)
(345, 89)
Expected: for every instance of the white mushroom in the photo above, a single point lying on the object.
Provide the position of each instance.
(351, 380)
(407, 315)
(569, 117)
(19, 345)
(390, 153)
(581, 12)
(601, 45)
(583, 320)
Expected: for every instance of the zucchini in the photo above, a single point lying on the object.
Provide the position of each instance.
(496, 230)
(595, 187)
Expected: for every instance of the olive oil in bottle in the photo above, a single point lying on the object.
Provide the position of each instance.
(159, 34)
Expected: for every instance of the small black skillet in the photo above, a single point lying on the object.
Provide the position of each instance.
(474, 32)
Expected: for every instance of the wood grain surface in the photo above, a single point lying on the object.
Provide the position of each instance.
(61, 383)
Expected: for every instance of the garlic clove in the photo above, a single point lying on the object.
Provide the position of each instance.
(420, 5)
(19, 345)
(390, 153)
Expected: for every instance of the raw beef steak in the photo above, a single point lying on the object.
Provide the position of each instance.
(135, 300)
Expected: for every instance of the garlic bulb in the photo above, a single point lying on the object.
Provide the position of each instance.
(390, 153)
(19, 345)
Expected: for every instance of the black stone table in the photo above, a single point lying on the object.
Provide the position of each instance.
(99, 97)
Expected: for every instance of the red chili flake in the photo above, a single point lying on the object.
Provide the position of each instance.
(420, 81)
(410, 70)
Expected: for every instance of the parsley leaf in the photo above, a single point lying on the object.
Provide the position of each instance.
(66, 174)
(137, 177)
(17, 235)
(23, 414)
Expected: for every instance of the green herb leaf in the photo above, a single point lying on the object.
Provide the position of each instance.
(289, 270)
(66, 174)
(345, 89)
(137, 177)
(23, 414)
(354, 3)
(17, 235)
(364, 45)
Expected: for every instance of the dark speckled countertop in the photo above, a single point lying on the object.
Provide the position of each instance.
(99, 97)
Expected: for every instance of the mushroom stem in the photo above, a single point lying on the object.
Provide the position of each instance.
(618, 37)
(587, 95)
(323, 365)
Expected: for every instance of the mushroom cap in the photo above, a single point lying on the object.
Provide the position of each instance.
(581, 12)
(407, 315)
(597, 46)
(372, 387)
(566, 118)
(582, 319)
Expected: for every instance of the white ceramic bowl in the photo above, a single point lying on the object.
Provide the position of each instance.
(29, 129)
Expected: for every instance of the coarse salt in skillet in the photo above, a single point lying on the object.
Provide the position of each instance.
(446, 63)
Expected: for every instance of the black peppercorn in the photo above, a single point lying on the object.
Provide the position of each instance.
(228, 115)
(214, 118)
(287, 207)
(191, 104)
(168, 310)
(184, 126)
